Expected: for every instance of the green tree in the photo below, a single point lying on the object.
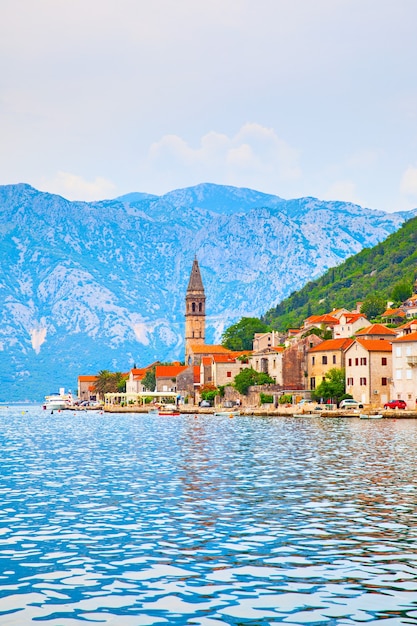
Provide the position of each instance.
(240, 336)
(373, 305)
(109, 382)
(332, 387)
(248, 377)
(149, 380)
(401, 291)
(209, 392)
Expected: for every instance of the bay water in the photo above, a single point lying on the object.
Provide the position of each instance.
(130, 519)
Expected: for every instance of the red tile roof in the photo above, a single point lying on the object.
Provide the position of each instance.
(87, 379)
(393, 313)
(196, 372)
(169, 371)
(332, 344)
(409, 337)
(376, 329)
(375, 345)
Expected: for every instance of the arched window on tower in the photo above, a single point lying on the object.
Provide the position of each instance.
(193, 307)
(200, 307)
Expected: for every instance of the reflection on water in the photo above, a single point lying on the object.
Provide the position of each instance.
(137, 519)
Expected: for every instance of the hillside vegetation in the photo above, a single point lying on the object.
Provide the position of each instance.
(378, 269)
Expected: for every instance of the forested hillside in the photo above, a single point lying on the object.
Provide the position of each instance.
(382, 269)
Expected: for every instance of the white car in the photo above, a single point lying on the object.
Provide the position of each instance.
(350, 403)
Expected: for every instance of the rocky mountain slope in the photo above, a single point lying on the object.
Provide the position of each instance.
(89, 286)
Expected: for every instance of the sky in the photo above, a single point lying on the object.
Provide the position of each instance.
(99, 98)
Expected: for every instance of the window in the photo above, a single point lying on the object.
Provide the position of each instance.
(384, 382)
(398, 374)
(350, 362)
(363, 360)
(384, 360)
(200, 307)
(408, 351)
(350, 382)
(362, 382)
(334, 359)
(408, 374)
(312, 383)
(356, 361)
(313, 360)
(229, 374)
(193, 307)
(324, 360)
(397, 350)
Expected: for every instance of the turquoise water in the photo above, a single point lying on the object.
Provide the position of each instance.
(135, 519)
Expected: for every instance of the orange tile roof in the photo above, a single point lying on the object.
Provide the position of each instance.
(332, 344)
(393, 313)
(375, 345)
(169, 371)
(224, 358)
(376, 329)
(207, 349)
(352, 317)
(322, 319)
(409, 337)
(196, 372)
(409, 324)
(206, 360)
(87, 379)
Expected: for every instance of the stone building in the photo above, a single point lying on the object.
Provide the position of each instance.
(294, 363)
(324, 357)
(368, 365)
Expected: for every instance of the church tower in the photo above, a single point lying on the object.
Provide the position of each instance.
(195, 311)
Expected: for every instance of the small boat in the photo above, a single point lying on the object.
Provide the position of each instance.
(226, 413)
(366, 416)
(164, 409)
(306, 415)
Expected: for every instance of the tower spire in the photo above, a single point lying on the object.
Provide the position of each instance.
(195, 311)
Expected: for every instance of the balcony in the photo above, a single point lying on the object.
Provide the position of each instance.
(412, 361)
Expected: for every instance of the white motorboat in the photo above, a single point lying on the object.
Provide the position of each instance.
(56, 402)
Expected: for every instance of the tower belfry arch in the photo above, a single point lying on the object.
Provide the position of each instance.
(195, 311)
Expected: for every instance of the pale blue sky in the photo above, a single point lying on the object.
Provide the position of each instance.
(294, 97)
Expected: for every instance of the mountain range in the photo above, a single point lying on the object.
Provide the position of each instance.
(87, 286)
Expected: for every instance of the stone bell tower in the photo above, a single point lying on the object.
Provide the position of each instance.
(195, 311)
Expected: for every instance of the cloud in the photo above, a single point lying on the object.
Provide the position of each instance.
(255, 155)
(408, 185)
(344, 190)
(74, 187)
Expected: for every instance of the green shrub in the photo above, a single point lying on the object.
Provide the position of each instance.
(266, 398)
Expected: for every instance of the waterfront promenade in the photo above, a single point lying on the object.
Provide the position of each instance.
(284, 411)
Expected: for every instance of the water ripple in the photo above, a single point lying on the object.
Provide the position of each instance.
(134, 519)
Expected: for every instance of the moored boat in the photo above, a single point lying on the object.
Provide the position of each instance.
(366, 416)
(226, 413)
(164, 409)
(55, 403)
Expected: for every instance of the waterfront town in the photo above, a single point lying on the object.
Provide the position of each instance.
(379, 360)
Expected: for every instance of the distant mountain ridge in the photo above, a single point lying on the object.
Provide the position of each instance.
(93, 285)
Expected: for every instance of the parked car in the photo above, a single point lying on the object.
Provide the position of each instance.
(205, 403)
(304, 401)
(395, 404)
(350, 403)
